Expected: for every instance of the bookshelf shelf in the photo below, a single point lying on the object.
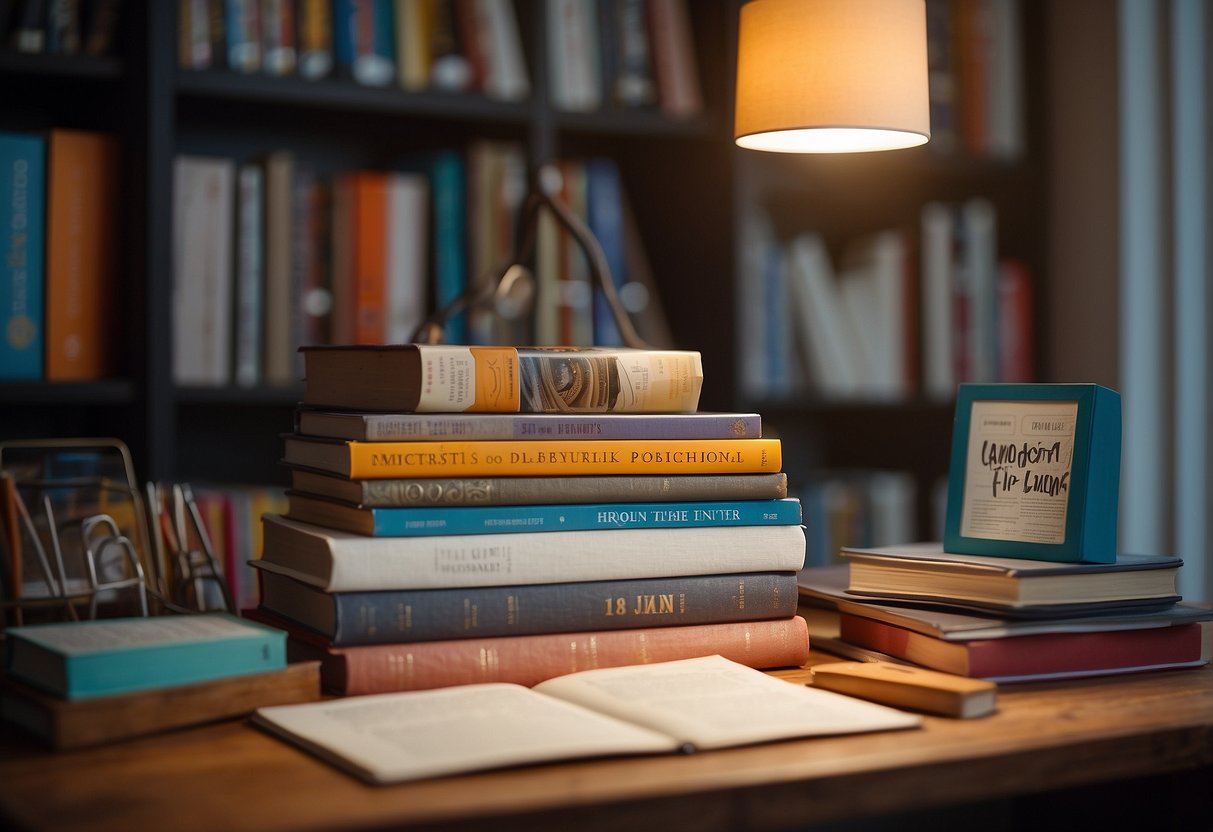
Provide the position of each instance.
(81, 67)
(116, 392)
(338, 96)
(688, 186)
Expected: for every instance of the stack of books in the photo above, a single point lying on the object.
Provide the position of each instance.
(463, 515)
(83, 683)
(1004, 619)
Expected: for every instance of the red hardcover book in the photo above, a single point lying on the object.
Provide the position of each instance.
(528, 660)
(1030, 658)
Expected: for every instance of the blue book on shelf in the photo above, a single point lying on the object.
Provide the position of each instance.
(450, 520)
(85, 659)
(22, 273)
(447, 184)
(604, 209)
(1035, 472)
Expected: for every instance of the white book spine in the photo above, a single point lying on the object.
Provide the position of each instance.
(361, 563)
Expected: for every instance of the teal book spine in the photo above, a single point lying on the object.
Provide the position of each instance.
(22, 262)
(1035, 472)
(395, 617)
(448, 186)
(83, 660)
(409, 522)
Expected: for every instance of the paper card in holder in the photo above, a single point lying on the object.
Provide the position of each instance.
(1035, 472)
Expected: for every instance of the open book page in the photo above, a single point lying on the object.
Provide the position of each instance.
(712, 702)
(405, 736)
(703, 703)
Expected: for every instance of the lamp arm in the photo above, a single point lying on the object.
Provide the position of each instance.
(430, 330)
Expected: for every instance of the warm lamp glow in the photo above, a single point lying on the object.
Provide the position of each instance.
(832, 76)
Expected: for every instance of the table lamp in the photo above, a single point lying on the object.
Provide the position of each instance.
(832, 76)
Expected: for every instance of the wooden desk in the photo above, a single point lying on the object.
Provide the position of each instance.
(1046, 736)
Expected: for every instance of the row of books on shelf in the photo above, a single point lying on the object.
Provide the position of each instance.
(270, 255)
(60, 27)
(59, 274)
(600, 53)
(893, 315)
(862, 508)
(1006, 620)
(975, 76)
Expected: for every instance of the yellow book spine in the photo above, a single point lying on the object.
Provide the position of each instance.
(380, 460)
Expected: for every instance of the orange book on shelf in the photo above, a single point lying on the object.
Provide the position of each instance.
(370, 257)
(81, 255)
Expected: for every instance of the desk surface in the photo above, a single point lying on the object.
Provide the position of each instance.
(231, 776)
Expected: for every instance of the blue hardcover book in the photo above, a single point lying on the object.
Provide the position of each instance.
(450, 520)
(1035, 472)
(447, 183)
(409, 616)
(22, 264)
(604, 210)
(84, 659)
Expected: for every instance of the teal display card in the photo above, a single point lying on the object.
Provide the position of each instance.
(1035, 472)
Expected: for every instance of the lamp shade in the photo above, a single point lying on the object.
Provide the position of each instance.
(832, 76)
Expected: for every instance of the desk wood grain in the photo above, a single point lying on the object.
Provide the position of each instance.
(231, 776)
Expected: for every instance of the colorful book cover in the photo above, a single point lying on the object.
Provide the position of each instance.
(550, 458)
(22, 276)
(81, 255)
(83, 659)
(443, 520)
(400, 616)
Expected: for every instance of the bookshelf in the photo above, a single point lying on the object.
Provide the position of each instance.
(688, 186)
(229, 434)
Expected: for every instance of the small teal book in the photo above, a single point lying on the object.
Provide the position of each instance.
(22, 263)
(1035, 472)
(86, 659)
(412, 615)
(451, 520)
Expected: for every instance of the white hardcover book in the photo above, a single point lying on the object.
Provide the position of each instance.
(819, 317)
(939, 376)
(980, 266)
(203, 196)
(339, 561)
(506, 77)
(573, 55)
(1004, 90)
(407, 254)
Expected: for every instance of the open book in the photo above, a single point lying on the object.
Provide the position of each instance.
(686, 705)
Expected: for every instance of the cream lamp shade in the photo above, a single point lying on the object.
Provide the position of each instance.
(832, 76)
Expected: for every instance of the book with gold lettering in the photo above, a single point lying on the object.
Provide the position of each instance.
(546, 458)
(408, 616)
(453, 379)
